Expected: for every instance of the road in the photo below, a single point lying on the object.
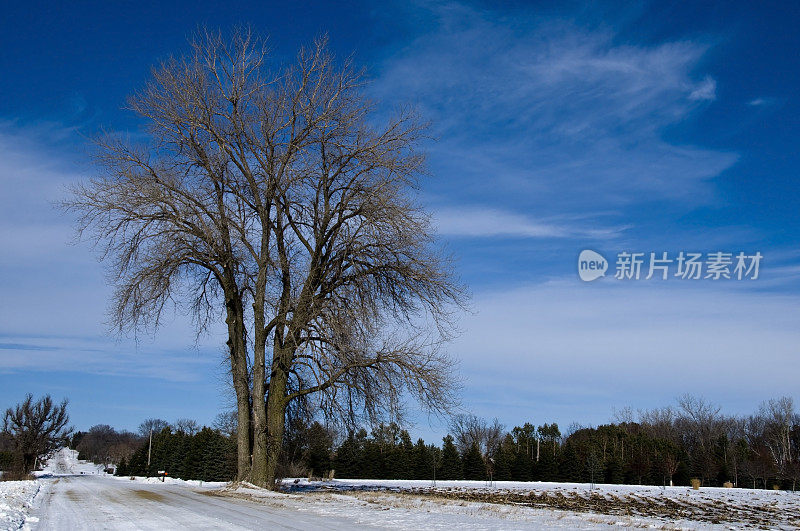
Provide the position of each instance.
(96, 502)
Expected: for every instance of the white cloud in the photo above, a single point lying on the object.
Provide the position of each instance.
(569, 350)
(762, 102)
(705, 90)
(488, 222)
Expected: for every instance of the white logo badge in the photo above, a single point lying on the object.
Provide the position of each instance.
(591, 265)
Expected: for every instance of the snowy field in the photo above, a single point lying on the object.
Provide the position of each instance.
(576, 505)
(70, 494)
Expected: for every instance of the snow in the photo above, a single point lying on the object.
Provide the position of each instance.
(194, 483)
(16, 498)
(77, 495)
(65, 462)
(573, 504)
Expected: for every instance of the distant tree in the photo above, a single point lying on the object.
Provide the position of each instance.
(37, 429)
(152, 425)
(504, 459)
(701, 425)
(103, 444)
(469, 430)
(348, 458)
(187, 426)
(780, 420)
(450, 466)
(523, 465)
(570, 466)
(474, 465)
(226, 423)
(422, 461)
(318, 448)
(207, 456)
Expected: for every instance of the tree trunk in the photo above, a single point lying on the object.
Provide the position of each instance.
(276, 418)
(259, 475)
(260, 334)
(238, 357)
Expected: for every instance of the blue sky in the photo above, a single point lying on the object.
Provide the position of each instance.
(658, 127)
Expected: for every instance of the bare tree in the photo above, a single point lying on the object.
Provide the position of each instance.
(152, 426)
(779, 419)
(273, 199)
(700, 424)
(187, 426)
(661, 423)
(469, 430)
(103, 444)
(225, 423)
(37, 429)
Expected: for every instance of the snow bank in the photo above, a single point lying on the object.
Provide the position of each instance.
(16, 498)
(194, 483)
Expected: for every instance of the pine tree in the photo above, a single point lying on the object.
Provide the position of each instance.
(570, 467)
(318, 449)
(504, 460)
(522, 468)
(348, 459)
(474, 467)
(122, 468)
(422, 459)
(450, 466)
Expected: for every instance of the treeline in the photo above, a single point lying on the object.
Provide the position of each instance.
(104, 445)
(181, 448)
(206, 455)
(692, 439)
(658, 447)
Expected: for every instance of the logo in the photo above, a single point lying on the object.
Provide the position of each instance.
(591, 265)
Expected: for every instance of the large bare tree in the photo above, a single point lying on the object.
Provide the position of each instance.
(271, 198)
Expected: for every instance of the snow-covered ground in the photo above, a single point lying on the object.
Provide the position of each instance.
(571, 505)
(16, 498)
(65, 462)
(77, 495)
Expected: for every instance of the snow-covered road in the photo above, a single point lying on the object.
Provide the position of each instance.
(97, 502)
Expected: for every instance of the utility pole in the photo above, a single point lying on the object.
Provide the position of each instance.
(537, 449)
(149, 450)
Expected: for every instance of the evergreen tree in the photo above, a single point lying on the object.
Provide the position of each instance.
(122, 468)
(504, 460)
(522, 467)
(422, 459)
(348, 459)
(318, 443)
(570, 467)
(450, 465)
(474, 467)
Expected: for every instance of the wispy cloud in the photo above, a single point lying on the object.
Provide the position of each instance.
(53, 295)
(96, 355)
(552, 117)
(485, 222)
(706, 90)
(762, 101)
